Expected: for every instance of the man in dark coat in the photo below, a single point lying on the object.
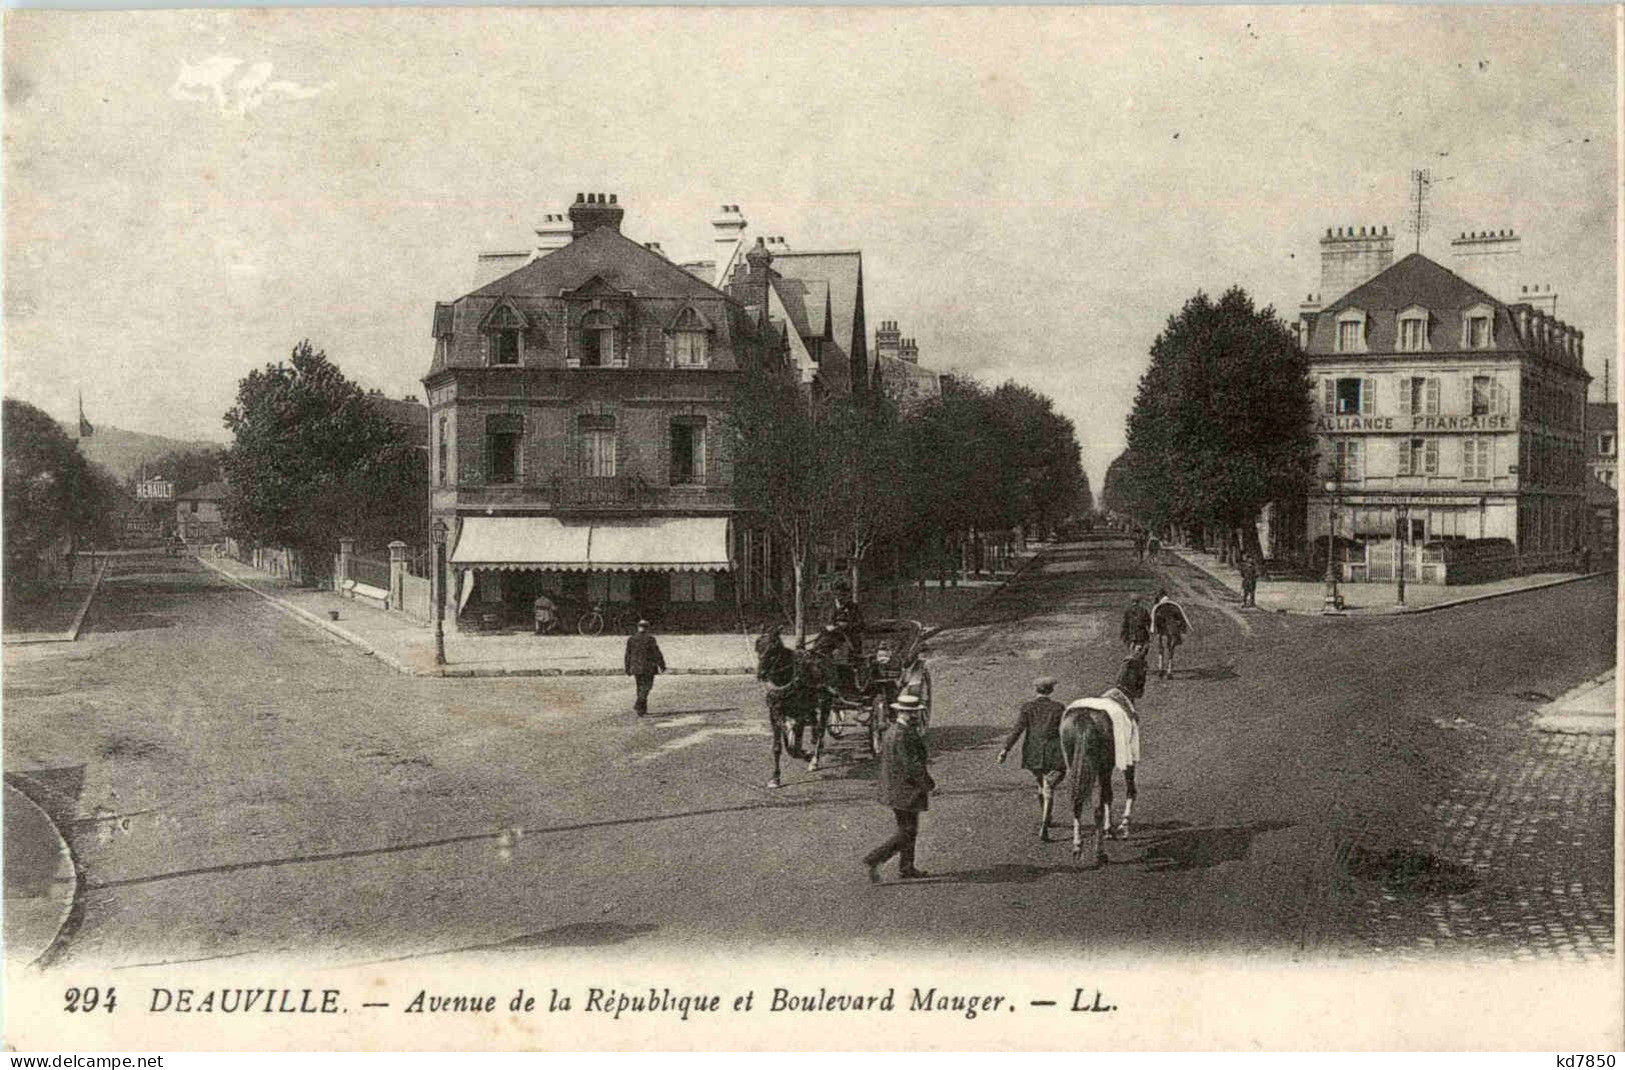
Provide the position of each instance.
(643, 661)
(1040, 722)
(848, 620)
(1136, 627)
(1249, 580)
(905, 786)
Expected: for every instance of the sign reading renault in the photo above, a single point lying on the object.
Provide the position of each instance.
(1480, 424)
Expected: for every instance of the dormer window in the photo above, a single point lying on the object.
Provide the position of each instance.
(1413, 330)
(1351, 331)
(598, 349)
(1478, 328)
(690, 338)
(504, 336)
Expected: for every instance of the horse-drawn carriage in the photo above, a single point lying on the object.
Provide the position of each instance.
(835, 686)
(889, 663)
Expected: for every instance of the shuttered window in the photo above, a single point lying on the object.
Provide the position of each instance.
(596, 445)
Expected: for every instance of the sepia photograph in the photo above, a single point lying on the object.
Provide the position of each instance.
(861, 528)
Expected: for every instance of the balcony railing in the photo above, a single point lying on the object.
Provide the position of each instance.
(598, 490)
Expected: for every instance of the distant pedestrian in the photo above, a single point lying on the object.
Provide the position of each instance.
(1169, 624)
(1039, 720)
(1249, 580)
(1139, 546)
(546, 613)
(1585, 560)
(1136, 629)
(1152, 546)
(643, 661)
(905, 787)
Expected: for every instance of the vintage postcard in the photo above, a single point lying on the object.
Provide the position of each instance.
(816, 528)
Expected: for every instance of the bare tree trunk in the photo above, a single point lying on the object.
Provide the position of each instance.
(800, 566)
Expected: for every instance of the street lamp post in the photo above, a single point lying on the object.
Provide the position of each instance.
(1332, 488)
(439, 532)
(1404, 539)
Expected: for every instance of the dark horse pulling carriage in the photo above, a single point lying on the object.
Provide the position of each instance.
(835, 685)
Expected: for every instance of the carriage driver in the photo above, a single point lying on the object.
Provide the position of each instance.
(1040, 720)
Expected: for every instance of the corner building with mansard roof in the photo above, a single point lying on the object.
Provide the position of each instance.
(576, 427)
(1443, 414)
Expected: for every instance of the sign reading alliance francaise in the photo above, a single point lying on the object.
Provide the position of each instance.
(1413, 424)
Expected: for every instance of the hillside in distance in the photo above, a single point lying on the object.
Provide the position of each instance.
(124, 452)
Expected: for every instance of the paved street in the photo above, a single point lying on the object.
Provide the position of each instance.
(235, 784)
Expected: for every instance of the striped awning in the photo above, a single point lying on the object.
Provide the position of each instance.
(655, 544)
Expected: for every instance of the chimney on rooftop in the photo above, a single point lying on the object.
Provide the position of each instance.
(553, 233)
(1348, 259)
(594, 210)
(888, 342)
(1489, 260)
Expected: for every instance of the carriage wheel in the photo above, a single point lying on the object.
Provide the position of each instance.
(590, 623)
(877, 721)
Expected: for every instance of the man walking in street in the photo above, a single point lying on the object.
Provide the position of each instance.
(905, 786)
(1136, 627)
(1249, 580)
(643, 661)
(1040, 722)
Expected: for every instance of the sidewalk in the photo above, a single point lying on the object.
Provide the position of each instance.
(58, 615)
(39, 879)
(1587, 710)
(408, 647)
(1366, 599)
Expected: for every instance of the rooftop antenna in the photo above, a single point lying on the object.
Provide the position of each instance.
(1419, 213)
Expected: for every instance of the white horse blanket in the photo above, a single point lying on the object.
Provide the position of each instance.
(1177, 608)
(1125, 724)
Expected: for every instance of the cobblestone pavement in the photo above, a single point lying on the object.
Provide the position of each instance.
(1519, 862)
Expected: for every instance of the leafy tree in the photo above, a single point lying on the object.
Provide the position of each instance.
(187, 469)
(1043, 451)
(1221, 420)
(862, 441)
(52, 493)
(782, 471)
(312, 462)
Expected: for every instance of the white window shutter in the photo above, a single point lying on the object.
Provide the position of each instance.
(1432, 402)
(1431, 462)
(1331, 396)
(1368, 397)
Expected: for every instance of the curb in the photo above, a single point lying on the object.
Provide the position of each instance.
(390, 660)
(982, 601)
(72, 634)
(1498, 594)
(1397, 611)
(67, 871)
(451, 673)
(308, 617)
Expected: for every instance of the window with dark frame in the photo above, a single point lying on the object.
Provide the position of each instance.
(442, 452)
(504, 434)
(688, 450)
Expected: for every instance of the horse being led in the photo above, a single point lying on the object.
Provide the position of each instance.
(1097, 734)
(794, 684)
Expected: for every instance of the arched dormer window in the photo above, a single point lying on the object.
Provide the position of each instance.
(1478, 327)
(598, 348)
(1411, 335)
(688, 339)
(1351, 331)
(504, 330)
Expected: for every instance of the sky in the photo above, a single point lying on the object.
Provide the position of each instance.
(1034, 190)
